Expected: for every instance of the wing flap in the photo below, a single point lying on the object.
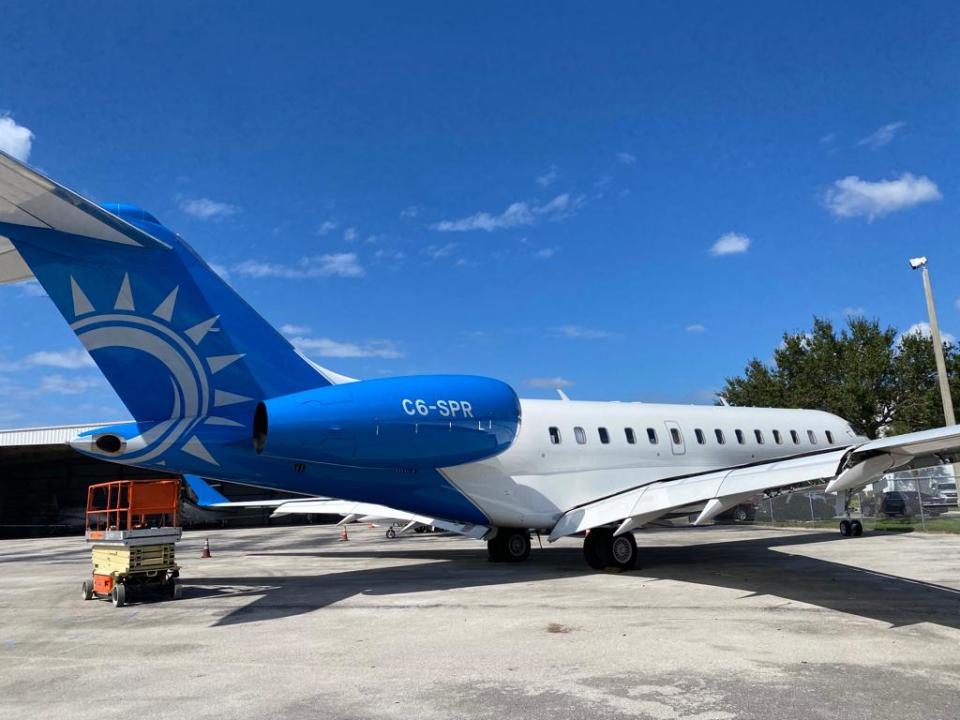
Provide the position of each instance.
(728, 488)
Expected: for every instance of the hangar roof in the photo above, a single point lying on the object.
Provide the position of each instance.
(45, 435)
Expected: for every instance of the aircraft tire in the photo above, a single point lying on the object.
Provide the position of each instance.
(845, 528)
(856, 528)
(509, 545)
(623, 551)
(596, 548)
(391, 533)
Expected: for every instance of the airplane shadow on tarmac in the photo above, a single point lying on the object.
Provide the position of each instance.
(754, 566)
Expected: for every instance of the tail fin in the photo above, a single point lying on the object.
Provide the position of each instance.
(171, 337)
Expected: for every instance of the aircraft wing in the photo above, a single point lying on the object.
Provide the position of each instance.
(28, 198)
(209, 498)
(715, 492)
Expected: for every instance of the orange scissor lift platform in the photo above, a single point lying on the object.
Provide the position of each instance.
(132, 525)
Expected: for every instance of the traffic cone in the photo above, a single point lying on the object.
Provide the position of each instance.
(371, 526)
(343, 533)
(206, 548)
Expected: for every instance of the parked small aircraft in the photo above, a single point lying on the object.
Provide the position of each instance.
(215, 391)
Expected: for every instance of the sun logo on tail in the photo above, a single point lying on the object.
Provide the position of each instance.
(193, 397)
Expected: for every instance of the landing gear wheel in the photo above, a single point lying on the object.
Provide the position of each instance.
(623, 551)
(740, 514)
(602, 550)
(856, 528)
(509, 545)
(391, 533)
(87, 590)
(845, 528)
(119, 595)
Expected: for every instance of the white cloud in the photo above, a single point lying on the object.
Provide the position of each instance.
(207, 209)
(384, 255)
(350, 234)
(410, 212)
(60, 385)
(326, 227)
(517, 214)
(626, 158)
(696, 328)
(290, 329)
(15, 140)
(852, 312)
(71, 359)
(549, 382)
(545, 253)
(325, 347)
(853, 197)
(548, 178)
(828, 139)
(435, 252)
(339, 264)
(730, 243)
(882, 136)
(923, 330)
(578, 332)
(31, 288)
(222, 270)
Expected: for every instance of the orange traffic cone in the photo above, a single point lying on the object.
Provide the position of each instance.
(343, 533)
(371, 526)
(206, 548)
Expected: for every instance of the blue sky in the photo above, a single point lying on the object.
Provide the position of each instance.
(628, 200)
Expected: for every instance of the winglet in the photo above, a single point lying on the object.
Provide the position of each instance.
(563, 395)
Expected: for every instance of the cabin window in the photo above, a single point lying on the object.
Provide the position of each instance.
(701, 438)
(812, 436)
(604, 435)
(829, 437)
(555, 436)
(652, 436)
(631, 437)
(720, 438)
(580, 435)
(758, 434)
(777, 437)
(795, 437)
(740, 438)
(675, 436)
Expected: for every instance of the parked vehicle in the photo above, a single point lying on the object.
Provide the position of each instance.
(893, 504)
(745, 512)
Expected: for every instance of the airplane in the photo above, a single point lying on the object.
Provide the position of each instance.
(215, 391)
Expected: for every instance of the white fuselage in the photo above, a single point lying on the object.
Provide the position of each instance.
(560, 460)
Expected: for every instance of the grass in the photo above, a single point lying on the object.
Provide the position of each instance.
(902, 525)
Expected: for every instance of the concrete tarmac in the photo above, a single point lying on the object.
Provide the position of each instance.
(718, 622)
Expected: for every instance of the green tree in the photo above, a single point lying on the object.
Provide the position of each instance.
(864, 373)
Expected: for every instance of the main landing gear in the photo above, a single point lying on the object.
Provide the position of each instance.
(509, 545)
(601, 549)
(851, 528)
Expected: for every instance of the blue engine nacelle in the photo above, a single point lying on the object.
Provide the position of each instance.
(406, 422)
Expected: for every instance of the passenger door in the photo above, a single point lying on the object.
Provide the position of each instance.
(675, 434)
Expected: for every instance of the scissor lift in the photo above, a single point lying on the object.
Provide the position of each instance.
(133, 528)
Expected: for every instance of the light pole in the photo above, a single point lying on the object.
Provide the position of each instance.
(920, 263)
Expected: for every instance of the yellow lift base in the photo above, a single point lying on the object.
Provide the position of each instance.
(132, 525)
